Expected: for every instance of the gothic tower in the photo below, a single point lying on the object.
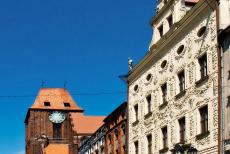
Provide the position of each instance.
(48, 123)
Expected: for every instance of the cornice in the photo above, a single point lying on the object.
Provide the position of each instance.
(179, 28)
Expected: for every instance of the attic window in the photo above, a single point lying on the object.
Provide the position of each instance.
(160, 29)
(148, 77)
(180, 49)
(135, 88)
(163, 64)
(170, 21)
(46, 103)
(201, 31)
(66, 105)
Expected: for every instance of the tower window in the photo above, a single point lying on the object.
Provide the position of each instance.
(160, 29)
(56, 131)
(46, 103)
(170, 21)
(66, 104)
(203, 66)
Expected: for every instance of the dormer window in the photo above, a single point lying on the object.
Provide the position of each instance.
(46, 103)
(66, 104)
(170, 21)
(160, 29)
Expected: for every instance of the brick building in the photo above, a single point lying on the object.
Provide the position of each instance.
(56, 123)
(116, 131)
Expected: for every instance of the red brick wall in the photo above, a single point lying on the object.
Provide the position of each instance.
(38, 123)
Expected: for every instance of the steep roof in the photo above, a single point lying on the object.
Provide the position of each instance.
(54, 99)
(86, 124)
(57, 149)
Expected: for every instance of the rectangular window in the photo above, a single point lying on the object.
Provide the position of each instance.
(228, 103)
(228, 75)
(46, 103)
(170, 21)
(136, 147)
(164, 92)
(136, 111)
(165, 137)
(149, 138)
(182, 129)
(148, 99)
(56, 131)
(203, 66)
(204, 119)
(160, 29)
(181, 78)
(66, 104)
(124, 148)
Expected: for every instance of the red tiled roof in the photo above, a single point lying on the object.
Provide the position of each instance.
(57, 149)
(57, 97)
(86, 124)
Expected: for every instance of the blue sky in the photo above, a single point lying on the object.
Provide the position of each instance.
(84, 42)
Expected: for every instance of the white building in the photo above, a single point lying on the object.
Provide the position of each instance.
(173, 91)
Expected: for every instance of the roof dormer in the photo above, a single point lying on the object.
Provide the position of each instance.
(168, 13)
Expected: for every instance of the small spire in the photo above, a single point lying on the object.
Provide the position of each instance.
(65, 84)
(43, 84)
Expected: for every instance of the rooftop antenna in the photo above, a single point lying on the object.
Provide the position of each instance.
(65, 84)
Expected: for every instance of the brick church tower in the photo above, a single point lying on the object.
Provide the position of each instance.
(48, 123)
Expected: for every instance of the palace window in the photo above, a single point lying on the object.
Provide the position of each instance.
(136, 147)
(228, 101)
(148, 77)
(56, 131)
(180, 49)
(181, 78)
(149, 138)
(164, 92)
(136, 111)
(165, 137)
(182, 129)
(201, 31)
(228, 75)
(203, 66)
(160, 29)
(204, 119)
(170, 21)
(148, 99)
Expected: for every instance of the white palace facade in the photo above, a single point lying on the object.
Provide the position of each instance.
(173, 91)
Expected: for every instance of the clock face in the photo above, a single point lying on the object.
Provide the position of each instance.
(57, 117)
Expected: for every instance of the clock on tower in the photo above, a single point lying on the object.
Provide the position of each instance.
(48, 122)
